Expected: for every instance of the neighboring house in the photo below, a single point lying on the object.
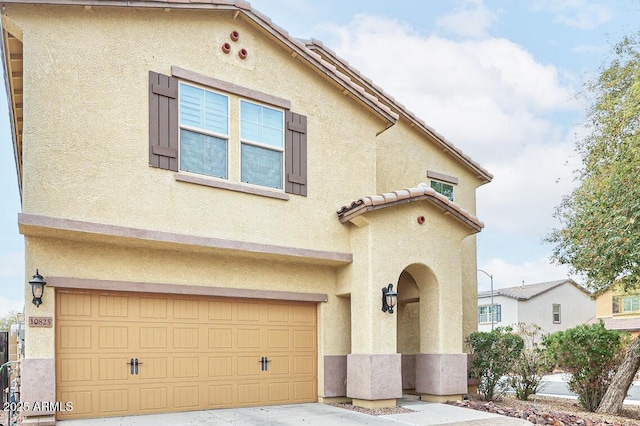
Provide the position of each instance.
(619, 310)
(216, 207)
(554, 306)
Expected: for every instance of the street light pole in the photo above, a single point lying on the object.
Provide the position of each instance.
(492, 307)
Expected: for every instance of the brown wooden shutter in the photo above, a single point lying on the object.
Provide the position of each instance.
(295, 148)
(163, 121)
(615, 305)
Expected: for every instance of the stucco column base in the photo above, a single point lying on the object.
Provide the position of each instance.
(37, 390)
(440, 398)
(333, 400)
(374, 405)
(441, 374)
(373, 377)
(40, 421)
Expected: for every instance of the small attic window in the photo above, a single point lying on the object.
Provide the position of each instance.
(442, 183)
(443, 188)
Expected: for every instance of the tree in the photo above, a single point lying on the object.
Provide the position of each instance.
(493, 353)
(599, 237)
(591, 353)
(7, 320)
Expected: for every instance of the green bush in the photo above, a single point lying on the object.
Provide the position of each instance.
(533, 363)
(493, 356)
(592, 354)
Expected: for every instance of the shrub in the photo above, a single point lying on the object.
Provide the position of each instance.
(591, 353)
(493, 356)
(532, 364)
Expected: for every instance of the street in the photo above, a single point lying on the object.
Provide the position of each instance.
(556, 385)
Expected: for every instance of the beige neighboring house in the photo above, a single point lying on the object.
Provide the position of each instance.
(216, 206)
(553, 306)
(619, 310)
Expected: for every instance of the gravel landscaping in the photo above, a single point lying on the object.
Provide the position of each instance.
(551, 411)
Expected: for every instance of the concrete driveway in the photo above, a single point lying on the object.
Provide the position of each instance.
(424, 414)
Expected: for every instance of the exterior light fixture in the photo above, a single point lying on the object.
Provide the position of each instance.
(37, 288)
(389, 299)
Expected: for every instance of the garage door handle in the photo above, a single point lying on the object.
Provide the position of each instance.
(263, 361)
(137, 364)
(131, 364)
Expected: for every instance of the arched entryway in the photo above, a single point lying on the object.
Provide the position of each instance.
(424, 313)
(416, 289)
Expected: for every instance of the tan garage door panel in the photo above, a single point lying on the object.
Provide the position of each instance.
(191, 353)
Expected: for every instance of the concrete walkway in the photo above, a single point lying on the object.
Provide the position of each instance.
(424, 414)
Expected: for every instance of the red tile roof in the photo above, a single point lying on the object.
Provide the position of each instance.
(421, 192)
(618, 323)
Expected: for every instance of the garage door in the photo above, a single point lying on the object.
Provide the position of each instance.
(125, 354)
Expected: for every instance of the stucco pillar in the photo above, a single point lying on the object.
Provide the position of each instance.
(440, 377)
(37, 369)
(441, 367)
(38, 390)
(374, 377)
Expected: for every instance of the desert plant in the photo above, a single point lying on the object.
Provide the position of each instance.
(533, 363)
(591, 353)
(494, 353)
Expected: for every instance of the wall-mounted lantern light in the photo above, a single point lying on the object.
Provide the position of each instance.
(37, 288)
(389, 299)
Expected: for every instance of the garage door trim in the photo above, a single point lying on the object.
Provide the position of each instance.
(190, 290)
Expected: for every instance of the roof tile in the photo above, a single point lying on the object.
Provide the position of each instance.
(420, 192)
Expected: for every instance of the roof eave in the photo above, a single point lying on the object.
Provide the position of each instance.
(296, 47)
(482, 174)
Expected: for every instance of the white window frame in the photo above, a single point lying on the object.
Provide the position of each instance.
(226, 137)
(492, 311)
(554, 313)
(261, 145)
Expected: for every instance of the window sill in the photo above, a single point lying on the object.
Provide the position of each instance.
(238, 187)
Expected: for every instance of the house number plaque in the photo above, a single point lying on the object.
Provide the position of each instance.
(41, 322)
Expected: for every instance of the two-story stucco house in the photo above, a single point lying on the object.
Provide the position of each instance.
(553, 306)
(216, 206)
(619, 309)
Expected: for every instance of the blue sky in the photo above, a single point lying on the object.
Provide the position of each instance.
(501, 79)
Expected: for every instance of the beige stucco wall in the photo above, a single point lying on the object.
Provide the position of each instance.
(398, 242)
(404, 155)
(86, 102)
(603, 304)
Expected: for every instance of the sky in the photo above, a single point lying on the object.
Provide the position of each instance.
(500, 79)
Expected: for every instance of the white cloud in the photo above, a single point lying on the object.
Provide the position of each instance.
(511, 274)
(582, 14)
(471, 19)
(10, 305)
(491, 98)
(12, 267)
(589, 48)
(526, 188)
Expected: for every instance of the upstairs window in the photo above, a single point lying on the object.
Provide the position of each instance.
(443, 188)
(442, 183)
(486, 312)
(556, 313)
(204, 131)
(262, 145)
(189, 131)
(626, 304)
